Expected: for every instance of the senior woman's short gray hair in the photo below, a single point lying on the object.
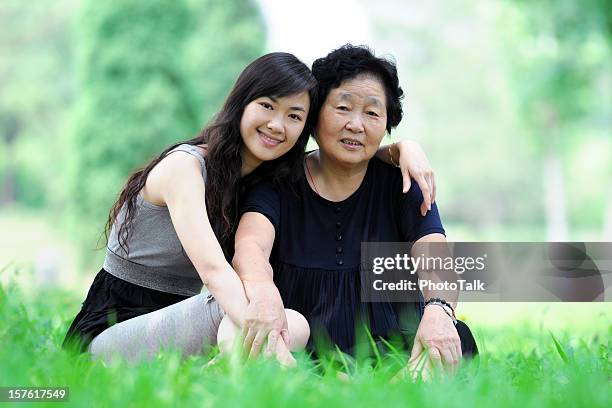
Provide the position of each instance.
(350, 61)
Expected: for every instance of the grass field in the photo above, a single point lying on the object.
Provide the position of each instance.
(521, 364)
(532, 355)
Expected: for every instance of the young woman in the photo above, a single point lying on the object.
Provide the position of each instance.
(172, 227)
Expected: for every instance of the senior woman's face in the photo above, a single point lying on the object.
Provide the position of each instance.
(353, 120)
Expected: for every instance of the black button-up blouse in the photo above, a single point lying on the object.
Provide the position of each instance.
(316, 254)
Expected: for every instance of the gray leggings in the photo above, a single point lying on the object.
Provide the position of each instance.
(190, 326)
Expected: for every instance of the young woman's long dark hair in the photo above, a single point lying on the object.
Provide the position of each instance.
(276, 75)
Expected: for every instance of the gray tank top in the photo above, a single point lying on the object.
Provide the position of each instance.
(156, 258)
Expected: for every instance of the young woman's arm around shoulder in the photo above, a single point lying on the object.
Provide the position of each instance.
(410, 158)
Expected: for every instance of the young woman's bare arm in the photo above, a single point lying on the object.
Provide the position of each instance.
(177, 183)
(413, 163)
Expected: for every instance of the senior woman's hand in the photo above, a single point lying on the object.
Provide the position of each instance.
(437, 341)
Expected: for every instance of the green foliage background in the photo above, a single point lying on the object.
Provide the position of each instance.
(144, 85)
(480, 78)
(91, 90)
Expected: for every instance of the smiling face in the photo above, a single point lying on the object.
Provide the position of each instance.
(352, 121)
(270, 127)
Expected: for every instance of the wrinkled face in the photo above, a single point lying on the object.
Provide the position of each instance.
(270, 126)
(353, 121)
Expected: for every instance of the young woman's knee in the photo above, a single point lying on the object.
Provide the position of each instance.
(226, 335)
(299, 331)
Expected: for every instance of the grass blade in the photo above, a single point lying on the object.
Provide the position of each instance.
(560, 349)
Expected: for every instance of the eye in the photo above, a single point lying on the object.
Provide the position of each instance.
(295, 117)
(372, 113)
(266, 105)
(342, 108)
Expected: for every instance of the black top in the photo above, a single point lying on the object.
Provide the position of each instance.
(316, 253)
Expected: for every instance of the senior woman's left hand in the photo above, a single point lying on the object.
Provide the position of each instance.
(436, 346)
(414, 164)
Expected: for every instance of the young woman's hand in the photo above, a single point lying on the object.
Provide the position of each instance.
(265, 318)
(414, 164)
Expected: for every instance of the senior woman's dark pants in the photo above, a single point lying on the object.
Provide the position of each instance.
(469, 348)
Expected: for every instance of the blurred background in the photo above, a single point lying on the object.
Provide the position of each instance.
(511, 100)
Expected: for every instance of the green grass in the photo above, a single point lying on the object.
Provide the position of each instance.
(519, 366)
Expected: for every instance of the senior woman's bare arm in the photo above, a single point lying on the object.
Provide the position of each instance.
(265, 314)
(423, 246)
(436, 334)
(253, 245)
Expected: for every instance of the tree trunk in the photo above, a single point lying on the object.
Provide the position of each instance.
(554, 189)
(11, 125)
(8, 184)
(607, 231)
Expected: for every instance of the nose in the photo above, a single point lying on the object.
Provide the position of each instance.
(275, 125)
(355, 124)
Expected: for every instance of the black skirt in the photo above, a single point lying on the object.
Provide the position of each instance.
(112, 300)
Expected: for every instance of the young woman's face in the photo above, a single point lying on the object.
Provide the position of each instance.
(270, 127)
(353, 121)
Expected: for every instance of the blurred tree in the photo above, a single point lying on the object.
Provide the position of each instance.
(558, 51)
(225, 38)
(603, 13)
(10, 130)
(36, 91)
(140, 89)
(129, 98)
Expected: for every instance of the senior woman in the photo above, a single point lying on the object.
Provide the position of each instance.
(299, 246)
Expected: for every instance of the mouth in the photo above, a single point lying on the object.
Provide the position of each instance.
(268, 140)
(352, 143)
